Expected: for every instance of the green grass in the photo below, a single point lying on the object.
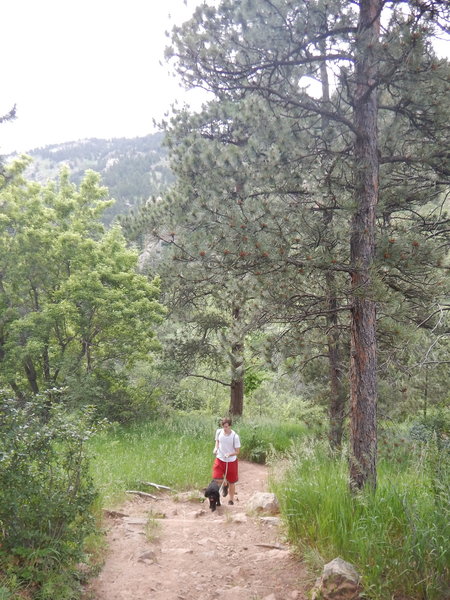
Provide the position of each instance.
(397, 538)
(176, 452)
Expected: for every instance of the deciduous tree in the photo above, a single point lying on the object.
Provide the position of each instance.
(74, 307)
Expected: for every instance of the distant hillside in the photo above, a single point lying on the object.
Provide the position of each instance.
(133, 169)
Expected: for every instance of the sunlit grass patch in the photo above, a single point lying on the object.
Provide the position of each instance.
(169, 453)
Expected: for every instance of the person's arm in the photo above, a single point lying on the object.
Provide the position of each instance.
(235, 453)
(236, 445)
(216, 445)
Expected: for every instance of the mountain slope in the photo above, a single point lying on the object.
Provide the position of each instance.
(133, 169)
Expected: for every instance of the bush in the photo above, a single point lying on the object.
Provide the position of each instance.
(46, 494)
(433, 427)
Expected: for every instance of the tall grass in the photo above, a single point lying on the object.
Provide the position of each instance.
(176, 452)
(261, 437)
(398, 537)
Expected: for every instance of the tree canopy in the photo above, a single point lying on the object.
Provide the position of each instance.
(74, 309)
(333, 203)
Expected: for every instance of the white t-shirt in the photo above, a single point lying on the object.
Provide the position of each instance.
(227, 445)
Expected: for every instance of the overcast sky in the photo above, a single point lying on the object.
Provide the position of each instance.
(85, 68)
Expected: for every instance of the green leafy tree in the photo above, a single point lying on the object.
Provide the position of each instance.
(74, 307)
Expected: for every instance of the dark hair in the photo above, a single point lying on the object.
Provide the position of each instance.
(226, 420)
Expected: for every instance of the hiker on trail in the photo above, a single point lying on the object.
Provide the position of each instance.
(225, 467)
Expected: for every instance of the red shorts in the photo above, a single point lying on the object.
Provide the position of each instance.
(220, 470)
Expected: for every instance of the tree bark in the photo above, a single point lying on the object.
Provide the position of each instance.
(363, 354)
(237, 398)
(237, 370)
(20, 396)
(46, 366)
(337, 392)
(31, 374)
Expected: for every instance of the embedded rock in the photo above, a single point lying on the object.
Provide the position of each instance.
(263, 502)
(339, 581)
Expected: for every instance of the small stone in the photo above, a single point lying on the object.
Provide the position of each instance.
(270, 520)
(240, 518)
(207, 542)
(148, 554)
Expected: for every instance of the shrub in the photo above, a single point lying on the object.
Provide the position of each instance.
(46, 494)
(433, 427)
(115, 397)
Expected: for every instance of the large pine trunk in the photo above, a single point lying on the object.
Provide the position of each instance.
(363, 357)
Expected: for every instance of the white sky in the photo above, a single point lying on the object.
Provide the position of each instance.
(85, 68)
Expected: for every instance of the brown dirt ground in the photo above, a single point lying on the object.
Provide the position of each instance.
(195, 553)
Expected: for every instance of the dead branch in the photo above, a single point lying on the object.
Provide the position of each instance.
(156, 485)
(143, 494)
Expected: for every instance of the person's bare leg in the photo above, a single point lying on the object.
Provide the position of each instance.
(231, 491)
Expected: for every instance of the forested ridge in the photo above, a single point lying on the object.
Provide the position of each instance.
(133, 169)
(281, 256)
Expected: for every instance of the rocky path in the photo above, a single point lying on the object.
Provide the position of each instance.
(175, 548)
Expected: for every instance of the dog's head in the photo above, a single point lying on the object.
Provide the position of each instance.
(212, 493)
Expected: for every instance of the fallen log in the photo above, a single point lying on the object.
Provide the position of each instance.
(114, 514)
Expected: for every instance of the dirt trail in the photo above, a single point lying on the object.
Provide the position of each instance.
(196, 553)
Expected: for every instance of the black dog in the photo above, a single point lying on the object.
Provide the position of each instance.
(212, 492)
